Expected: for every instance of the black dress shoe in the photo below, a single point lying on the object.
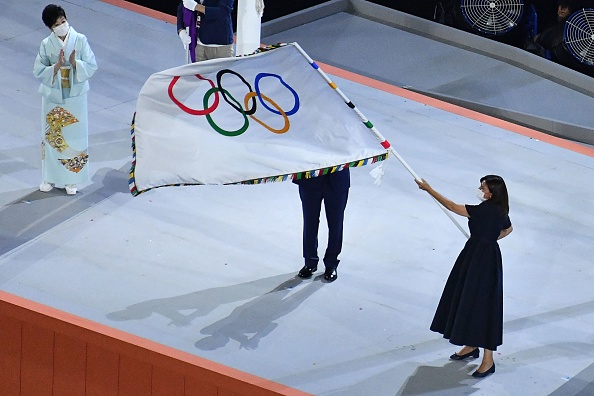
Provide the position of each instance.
(476, 374)
(474, 354)
(306, 272)
(330, 275)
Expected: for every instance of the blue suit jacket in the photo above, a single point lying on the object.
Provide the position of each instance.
(216, 25)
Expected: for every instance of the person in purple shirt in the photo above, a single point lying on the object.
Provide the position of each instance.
(206, 28)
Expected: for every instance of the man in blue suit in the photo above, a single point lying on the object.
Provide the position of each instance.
(333, 190)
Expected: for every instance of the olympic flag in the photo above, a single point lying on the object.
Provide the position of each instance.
(262, 118)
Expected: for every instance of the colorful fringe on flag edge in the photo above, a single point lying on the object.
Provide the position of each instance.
(278, 178)
(269, 179)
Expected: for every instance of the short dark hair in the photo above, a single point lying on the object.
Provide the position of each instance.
(498, 191)
(51, 13)
(573, 5)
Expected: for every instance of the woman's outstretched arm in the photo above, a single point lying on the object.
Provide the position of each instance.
(459, 209)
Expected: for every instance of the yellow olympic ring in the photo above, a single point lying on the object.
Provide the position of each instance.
(284, 129)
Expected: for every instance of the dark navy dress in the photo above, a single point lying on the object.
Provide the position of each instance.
(470, 311)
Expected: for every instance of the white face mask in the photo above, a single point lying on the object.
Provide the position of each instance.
(480, 195)
(62, 30)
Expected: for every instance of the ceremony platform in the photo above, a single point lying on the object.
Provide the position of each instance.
(192, 290)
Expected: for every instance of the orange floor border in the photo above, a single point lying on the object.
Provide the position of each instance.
(455, 109)
(45, 351)
(142, 10)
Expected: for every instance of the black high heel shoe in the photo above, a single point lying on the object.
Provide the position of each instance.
(474, 354)
(476, 374)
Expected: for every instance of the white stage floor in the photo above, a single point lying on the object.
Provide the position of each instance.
(210, 270)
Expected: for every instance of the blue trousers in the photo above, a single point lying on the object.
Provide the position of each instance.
(333, 191)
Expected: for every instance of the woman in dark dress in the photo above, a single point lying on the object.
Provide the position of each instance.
(470, 311)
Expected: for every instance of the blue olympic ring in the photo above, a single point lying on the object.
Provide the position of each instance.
(257, 87)
(236, 105)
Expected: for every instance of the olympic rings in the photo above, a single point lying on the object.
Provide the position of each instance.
(187, 109)
(215, 126)
(260, 76)
(219, 75)
(279, 131)
(248, 111)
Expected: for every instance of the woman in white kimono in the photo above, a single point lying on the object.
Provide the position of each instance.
(64, 64)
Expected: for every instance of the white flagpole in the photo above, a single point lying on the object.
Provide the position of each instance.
(379, 136)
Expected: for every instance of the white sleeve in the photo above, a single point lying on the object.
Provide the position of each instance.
(86, 65)
(43, 69)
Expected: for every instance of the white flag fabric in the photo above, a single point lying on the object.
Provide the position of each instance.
(266, 117)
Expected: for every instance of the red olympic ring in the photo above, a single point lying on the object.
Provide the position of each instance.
(251, 95)
(187, 109)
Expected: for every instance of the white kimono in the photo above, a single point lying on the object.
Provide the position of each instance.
(64, 116)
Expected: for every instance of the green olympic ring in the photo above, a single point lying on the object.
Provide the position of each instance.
(214, 125)
(207, 111)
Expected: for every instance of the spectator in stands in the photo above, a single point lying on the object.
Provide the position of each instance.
(551, 39)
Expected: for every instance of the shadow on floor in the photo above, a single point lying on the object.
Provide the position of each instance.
(37, 212)
(254, 320)
(445, 380)
(247, 324)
